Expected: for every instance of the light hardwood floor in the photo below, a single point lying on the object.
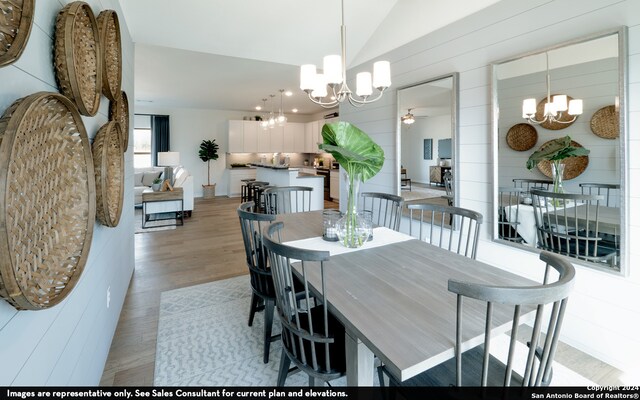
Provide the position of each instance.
(207, 248)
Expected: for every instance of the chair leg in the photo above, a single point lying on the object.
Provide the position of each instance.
(253, 308)
(268, 323)
(284, 368)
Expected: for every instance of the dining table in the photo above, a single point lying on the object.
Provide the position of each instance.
(392, 297)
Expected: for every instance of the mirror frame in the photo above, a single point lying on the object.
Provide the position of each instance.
(623, 61)
(455, 108)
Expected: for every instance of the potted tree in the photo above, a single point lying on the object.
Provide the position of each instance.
(208, 151)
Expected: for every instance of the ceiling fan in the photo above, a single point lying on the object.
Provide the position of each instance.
(409, 118)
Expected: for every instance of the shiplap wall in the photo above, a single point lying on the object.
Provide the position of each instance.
(68, 344)
(604, 310)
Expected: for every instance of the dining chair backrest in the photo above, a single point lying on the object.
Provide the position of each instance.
(287, 199)
(442, 221)
(448, 187)
(603, 189)
(550, 292)
(509, 213)
(385, 208)
(529, 184)
(309, 335)
(568, 224)
(251, 224)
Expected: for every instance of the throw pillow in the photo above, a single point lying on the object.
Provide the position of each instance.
(149, 177)
(137, 178)
(180, 177)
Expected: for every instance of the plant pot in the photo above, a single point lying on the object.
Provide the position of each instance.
(208, 191)
(156, 186)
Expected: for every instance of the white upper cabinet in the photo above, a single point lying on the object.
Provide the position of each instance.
(264, 140)
(277, 139)
(236, 137)
(294, 137)
(250, 136)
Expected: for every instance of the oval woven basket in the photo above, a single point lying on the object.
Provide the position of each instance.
(16, 19)
(554, 126)
(111, 49)
(606, 123)
(108, 165)
(47, 200)
(522, 137)
(119, 112)
(573, 166)
(77, 58)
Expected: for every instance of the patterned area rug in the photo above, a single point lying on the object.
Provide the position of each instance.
(418, 193)
(204, 340)
(150, 224)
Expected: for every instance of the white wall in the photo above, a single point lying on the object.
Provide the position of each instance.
(188, 128)
(68, 344)
(412, 156)
(604, 310)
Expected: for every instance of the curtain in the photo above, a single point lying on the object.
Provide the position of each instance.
(159, 136)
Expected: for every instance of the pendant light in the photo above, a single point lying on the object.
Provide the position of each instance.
(281, 119)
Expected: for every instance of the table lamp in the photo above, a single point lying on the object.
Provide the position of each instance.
(168, 160)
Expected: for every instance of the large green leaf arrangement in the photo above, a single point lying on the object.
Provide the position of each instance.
(557, 150)
(353, 149)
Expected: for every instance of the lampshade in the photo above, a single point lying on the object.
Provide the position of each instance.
(307, 77)
(381, 74)
(168, 158)
(363, 84)
(332, 69)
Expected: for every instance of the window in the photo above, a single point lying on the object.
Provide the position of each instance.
(142, 141)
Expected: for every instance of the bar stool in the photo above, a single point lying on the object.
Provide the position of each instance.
(244, 190)
(256, 189)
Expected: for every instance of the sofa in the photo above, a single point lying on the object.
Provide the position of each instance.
(143, 179)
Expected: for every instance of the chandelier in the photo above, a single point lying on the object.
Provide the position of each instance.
(335, 76)
(408, 118)
(553, 108)
(270, 121)
(281, 119)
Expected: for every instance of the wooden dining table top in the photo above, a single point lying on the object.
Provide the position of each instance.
(395, 298)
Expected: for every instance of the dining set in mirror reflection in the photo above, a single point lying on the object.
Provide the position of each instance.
(584, 225)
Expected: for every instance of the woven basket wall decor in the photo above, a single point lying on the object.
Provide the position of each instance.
(119, 111)
(111, 48)
(573, 166)
(108, 164)
(606, 123)
(554, 126)
(16, 19)
(77, 58)
(47, 200)
(522, 137)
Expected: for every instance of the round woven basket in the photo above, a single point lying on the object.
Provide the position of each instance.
(573, 166)
(16, 18)
(77, 58)
(108, 164)
(554, 126)
(111, 48)
(119, 112)
(522, 137)
(47, 200)
(606, 123)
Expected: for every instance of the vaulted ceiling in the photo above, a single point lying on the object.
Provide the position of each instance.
(224, 54)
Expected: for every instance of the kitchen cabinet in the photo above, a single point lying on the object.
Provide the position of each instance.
(236, 175)
(334, 184)
(250, 136)
(264, 140)
(236, 137)
(277, 139)
(294, 138)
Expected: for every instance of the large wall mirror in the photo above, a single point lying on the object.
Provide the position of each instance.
(427, 138)
(588, 222)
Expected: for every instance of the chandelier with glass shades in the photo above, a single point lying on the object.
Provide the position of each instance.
(408, 118)
(334, 75)
(554, 109)
(271, 120)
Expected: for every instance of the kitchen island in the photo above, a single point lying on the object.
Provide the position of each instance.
(284, 176)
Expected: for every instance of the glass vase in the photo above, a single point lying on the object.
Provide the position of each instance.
(557, 171)
(353, 230)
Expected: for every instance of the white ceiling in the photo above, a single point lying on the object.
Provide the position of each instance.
(228, 55)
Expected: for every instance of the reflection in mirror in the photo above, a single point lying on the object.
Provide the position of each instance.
(426, 131)
(591, 71)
